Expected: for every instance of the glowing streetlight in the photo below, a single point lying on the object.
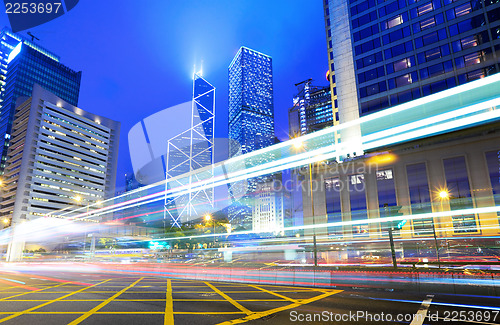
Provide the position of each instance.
(298, 144)
(444, 195)
(207, 219)
(77, 198)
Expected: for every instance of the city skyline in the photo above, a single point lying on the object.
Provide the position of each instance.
(344, 153)
(166, 70)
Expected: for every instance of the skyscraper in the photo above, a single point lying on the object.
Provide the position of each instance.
(251, 117)
(24, 63)
(251, 107)
(385, 53)
(191, 150)
(60, 156)
(311, 110)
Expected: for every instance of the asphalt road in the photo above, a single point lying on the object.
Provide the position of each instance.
(52, 297)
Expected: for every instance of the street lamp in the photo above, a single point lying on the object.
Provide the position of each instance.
(297, 145)
(443, 194)
(207, 219)
(79, 199)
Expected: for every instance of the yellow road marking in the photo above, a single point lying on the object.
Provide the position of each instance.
(54, 312)
(25, 293)
(175, 312)
(234, 300)
(130, 312)
(258, 315)
(104, 303)
(6, 288)
(207, 291)
(142, 300)
(231, 300)
(208, 312)
(67, 300)
(273, 293)
(169, 305)
(47, 303)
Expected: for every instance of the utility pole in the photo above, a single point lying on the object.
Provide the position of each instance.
(315, 248)
(391, 238)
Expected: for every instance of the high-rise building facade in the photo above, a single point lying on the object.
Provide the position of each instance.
(24, 63)
(384, 53)
(190, 150)
(251, 106)
(311, 111)
(271, 208)
(251, 118)
(60, 156)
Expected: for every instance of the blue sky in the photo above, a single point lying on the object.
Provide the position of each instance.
(137, 57)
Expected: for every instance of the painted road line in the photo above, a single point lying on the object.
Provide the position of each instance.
(175, 312)
(6, 288)
(419, 317)
(273, 293)
(44, 278)
(169, 305)
(48, 302)
(104, 303)
(258, 315)
(25, 293)
(231, 300)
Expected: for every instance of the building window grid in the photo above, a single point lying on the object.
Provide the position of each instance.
(457, 182)
(441, 35)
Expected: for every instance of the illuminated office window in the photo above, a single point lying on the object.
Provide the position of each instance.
(457, 183)
(493, 161)
(420, 198)
(357, 198)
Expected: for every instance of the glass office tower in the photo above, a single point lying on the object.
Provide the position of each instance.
(24, 64)
(385, 53)
(311, 111)
(191, 150)
(251, 109)
(251, 120)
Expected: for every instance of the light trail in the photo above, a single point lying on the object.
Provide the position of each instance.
(355, 222)
(438, 123)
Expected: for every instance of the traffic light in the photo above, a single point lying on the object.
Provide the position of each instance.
(394, 211)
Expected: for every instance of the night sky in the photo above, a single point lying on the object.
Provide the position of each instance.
(137, 57)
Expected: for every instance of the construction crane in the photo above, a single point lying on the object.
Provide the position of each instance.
(33, 37)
